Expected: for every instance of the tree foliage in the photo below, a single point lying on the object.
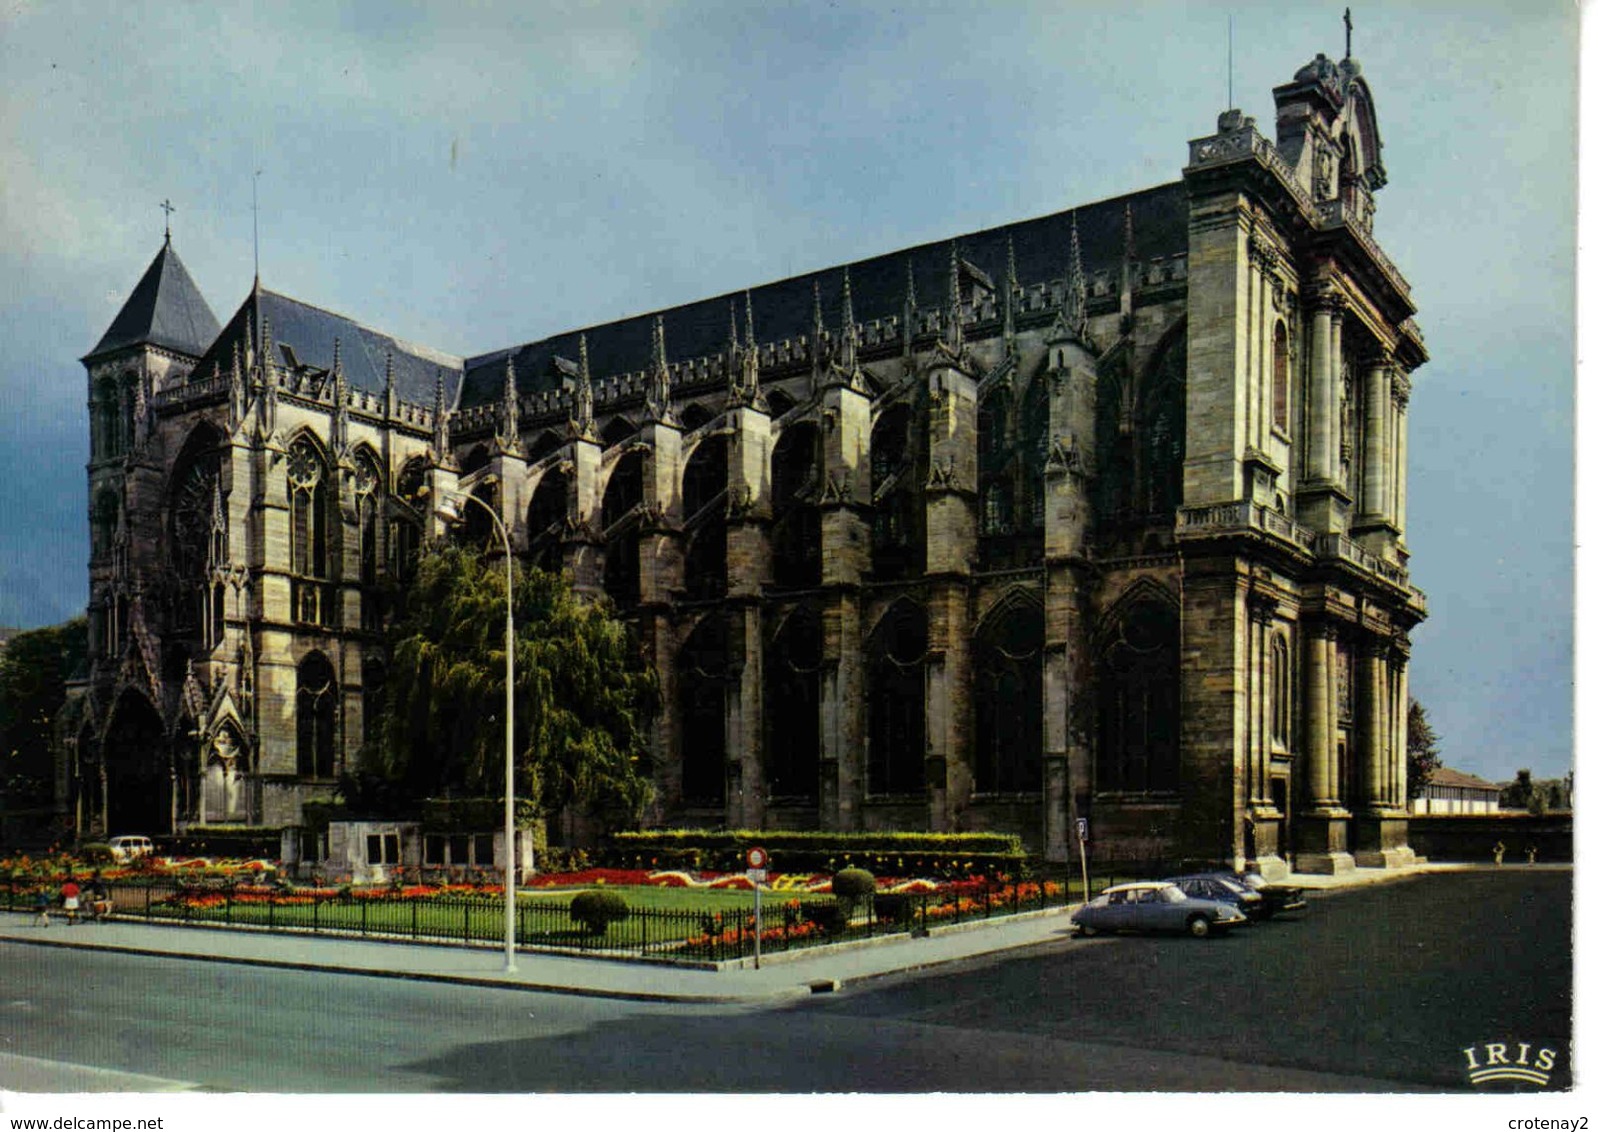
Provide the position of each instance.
(34, 669)
(584, 697)
(1423, 756)
(1537, 796)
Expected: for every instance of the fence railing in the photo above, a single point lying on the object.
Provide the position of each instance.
(544, 920)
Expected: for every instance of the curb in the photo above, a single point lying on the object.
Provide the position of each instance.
(481, 981)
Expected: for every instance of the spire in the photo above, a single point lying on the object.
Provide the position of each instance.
(1011, 284)
(440, 419)
(657, 395)
(1128, 258)
(510, 421)
(1076, 291)
(732, 339)
(235, 385)
(908, 327)
(341, 409)
(165, 309)
(954, 332)
(582, 421)
(818, 329)
(269, 379)
(847, 348)
(750, 379)
(388, 385)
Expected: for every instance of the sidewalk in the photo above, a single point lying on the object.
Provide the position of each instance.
(781, 976)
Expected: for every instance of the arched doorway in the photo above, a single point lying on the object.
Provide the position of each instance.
(138, 769)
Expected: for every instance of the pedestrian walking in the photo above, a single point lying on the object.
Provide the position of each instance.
(1498, 853)
(70, 896)
(1531, 854)
(99, 898)
(41, 906)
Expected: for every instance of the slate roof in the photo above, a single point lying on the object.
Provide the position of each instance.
(309, 333)
(165, 309)
(784, 309)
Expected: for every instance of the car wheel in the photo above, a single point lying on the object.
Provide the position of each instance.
(1198, 927)
(1086, 932)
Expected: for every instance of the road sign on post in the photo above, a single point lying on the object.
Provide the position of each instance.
(1082, 852)
(756, 859)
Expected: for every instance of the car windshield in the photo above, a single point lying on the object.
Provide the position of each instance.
(1173, 895)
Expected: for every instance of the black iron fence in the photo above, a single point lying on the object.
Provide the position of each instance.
(544, 920)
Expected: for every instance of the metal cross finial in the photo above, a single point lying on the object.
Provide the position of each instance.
(1348, 34)
(167, 207)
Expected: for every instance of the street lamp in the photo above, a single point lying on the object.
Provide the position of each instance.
(449, 510)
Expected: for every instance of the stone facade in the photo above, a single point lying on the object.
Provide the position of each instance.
(1098, 515)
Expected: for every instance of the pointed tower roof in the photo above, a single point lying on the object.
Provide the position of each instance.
(165, 309)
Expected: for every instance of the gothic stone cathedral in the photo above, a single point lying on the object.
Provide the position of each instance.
(1096, 515)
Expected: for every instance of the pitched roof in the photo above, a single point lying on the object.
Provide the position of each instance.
(165, 309)
(1448, 776)
(304, 334)
(784, 309)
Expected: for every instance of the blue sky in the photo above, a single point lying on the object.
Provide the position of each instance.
(473, 175)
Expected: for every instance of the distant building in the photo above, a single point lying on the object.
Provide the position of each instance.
(1093, 515)
(1455, 792)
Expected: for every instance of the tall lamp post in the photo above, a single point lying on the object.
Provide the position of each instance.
(449, 509)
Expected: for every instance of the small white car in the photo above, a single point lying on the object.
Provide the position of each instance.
(1153, 906)
(130, 847)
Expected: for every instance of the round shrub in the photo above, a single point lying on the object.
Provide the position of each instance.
(853, 884)
(596, 910)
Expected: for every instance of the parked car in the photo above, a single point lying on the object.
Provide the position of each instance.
(1152, 906)
(129, 847)
(1224, 887)
(1278, 897)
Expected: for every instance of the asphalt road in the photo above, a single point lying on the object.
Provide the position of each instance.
(1373, 989)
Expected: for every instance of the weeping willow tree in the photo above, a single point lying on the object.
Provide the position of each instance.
(584, 697)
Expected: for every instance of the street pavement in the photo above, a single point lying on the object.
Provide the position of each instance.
(781, 976)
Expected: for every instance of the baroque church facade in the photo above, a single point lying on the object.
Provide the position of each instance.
(1097, 516)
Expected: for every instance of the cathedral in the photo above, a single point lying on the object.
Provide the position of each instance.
(1084, 525)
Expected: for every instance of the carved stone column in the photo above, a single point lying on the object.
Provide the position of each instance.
(1378, 456)
(1322, 828)
(1400, 479)
(1381, 829)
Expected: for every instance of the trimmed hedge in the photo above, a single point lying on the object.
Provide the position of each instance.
(597, 909)
(239, 841)
(886, 854)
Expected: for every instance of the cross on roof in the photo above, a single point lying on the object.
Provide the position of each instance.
(168, 208)
(1348, 34)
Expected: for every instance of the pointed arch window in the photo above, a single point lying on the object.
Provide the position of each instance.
(703, 680)
(307, 480)
(103, 526)
(796, 517)
(315, 711)
(704, 504)
(198, 529)
(793, 709)
(106, 433)
(1139, 700)
(1009, 699)
(620, 515)
(897, 702)
(368, 511)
